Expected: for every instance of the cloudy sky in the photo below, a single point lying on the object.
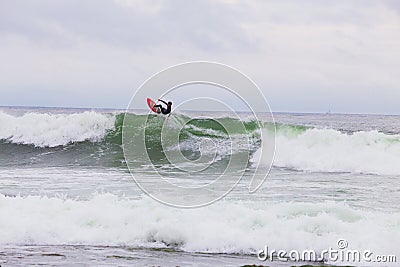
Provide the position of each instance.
(306, 56)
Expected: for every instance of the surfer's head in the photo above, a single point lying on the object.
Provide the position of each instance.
(169, 103)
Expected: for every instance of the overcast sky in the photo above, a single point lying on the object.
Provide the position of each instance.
(306, 56)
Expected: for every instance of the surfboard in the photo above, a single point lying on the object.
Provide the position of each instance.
(151, 104)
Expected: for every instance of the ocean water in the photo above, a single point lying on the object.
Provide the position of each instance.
(68, 198)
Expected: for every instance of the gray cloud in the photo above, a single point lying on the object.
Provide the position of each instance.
(95, 53)
(206, 25)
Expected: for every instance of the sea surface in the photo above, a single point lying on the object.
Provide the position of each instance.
(67, 196)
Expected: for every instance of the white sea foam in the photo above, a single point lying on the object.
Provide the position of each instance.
(328, 150)
(50, 130)
(225, 227)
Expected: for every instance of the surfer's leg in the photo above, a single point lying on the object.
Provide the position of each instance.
(158, 108)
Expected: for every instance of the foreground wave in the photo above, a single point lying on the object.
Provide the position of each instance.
(94, 139)
(225, 227)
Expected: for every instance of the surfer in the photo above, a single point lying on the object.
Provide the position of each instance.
(161, 109)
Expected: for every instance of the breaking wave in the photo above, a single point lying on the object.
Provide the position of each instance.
(94, 139)
(225, 227)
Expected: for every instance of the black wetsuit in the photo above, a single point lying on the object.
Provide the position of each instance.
(164, 111)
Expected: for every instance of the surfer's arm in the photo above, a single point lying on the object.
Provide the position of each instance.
(162, 101)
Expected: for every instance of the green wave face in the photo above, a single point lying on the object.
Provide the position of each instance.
(193, 138)
(288, 130)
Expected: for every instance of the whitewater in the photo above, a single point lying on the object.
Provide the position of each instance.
(65, 187)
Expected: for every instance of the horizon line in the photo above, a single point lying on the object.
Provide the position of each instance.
(196, 110)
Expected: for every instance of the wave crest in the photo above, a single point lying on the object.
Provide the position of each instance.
(51, 130)
(328, 150)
